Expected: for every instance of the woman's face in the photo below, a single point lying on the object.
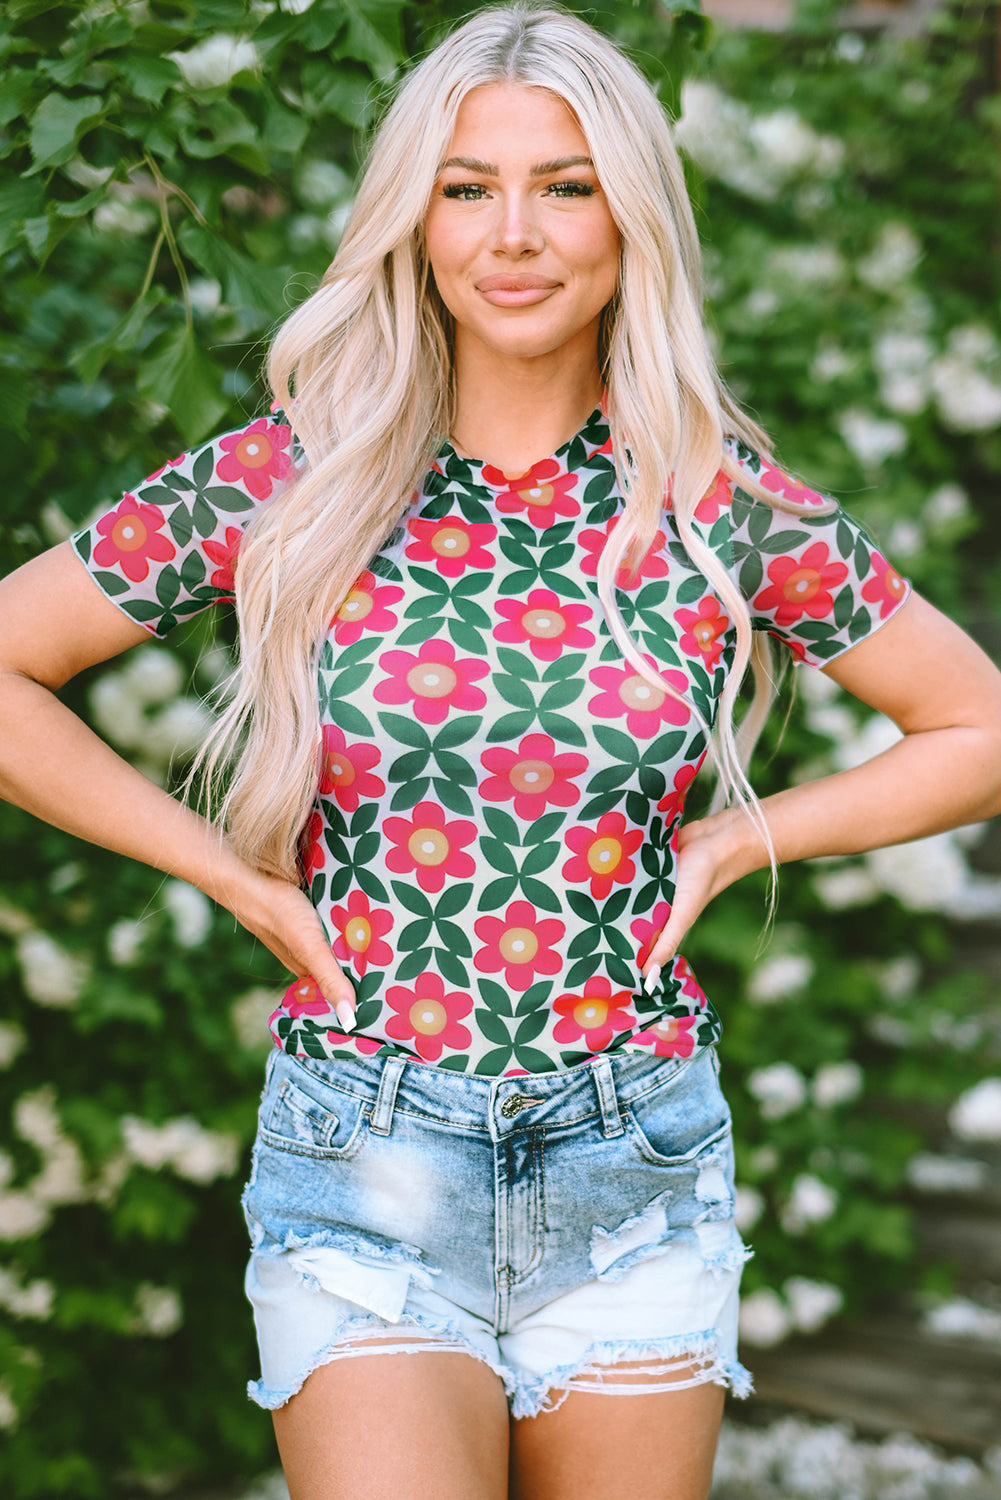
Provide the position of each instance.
(522, 244)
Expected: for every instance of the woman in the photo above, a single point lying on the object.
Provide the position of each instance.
(491, 1132)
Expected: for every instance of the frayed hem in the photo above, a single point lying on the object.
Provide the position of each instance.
(352, 1342)
(547, 1393)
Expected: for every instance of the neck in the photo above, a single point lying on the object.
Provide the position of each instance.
(512, 412)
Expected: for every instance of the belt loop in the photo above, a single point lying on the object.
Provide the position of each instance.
(382, 1114)
(611, 1122)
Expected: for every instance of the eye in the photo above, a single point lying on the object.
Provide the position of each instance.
(466, 192)
(571, 189)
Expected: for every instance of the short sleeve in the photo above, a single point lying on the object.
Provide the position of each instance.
(815, 581)
(168, 548)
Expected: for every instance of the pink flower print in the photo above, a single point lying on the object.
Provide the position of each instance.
(542, 494)
(361, 932)
(429, 847)
(548, 625)
(671, 1037)
(596, 1015)
(452, 544)
(652, 565)
(434, 680)
(705, 628)
(224, 555)
(801, 585)
(796, 647)
(682, 974)
(602, 855)
(366, 1045)
(672, 803)
(303, 998)
(886, 587)
(647, 708)
(533, 776)
(256, 456)
(783, 484)
(718, 497)
(365, 608)
(429, 1016)
(646, 930)
(345, 769)
(520, 943)
(312, 856)
(130, 537)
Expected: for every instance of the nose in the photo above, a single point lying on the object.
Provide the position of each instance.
(518, 229)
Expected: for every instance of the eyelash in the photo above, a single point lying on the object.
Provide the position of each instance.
(570, 189)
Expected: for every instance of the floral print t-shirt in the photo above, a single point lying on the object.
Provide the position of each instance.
(492, 848)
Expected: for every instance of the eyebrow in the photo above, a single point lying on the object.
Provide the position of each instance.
(541, 169)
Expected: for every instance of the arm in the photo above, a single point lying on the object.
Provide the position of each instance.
(943, 692)
(53, 623)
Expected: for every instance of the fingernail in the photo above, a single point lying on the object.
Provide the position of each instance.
(650, 981)
(345, 1015)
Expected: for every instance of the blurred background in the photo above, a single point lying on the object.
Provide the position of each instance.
(175, 177)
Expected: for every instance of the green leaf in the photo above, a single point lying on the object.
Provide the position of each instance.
(540, 894)
(187, 382)
(412, 898)
(90, 359)
(452, 900)
(498, 893)
(452, 969)
(492, 1027)
(407, 731)
(245, 283)
(494, 996)
(149, 77)
(57, 125)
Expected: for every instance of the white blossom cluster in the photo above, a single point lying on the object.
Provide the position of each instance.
(26, 1211)
(758, 154)
(801, 1460)
(140, 708)
(183, 1145)
(804, 1306)
(214, 62)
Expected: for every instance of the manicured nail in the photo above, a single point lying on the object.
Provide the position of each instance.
(345, 1015)
(650, 981)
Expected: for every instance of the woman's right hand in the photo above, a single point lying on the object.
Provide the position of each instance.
(282, 917)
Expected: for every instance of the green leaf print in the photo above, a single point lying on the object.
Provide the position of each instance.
(517, 664)
(562, 729)
(532, 1060)
(609, 779)
(456, 731)
(618, 745)
(113, 585)
(494, 996)
(584, 942)
(204, 517)
(646, 896)
(498, 893)
(561, 583)
(515, 551)
(531, 1027)
(493, 1027)
(513, 690)
(637, 807)
(452, 900)
(541, 895)
(494, 1062)
(596, 807)
(407, 731)
(458, 770)
(555, 558)
(457, 940)
(405, 767)
(536, 997)
(560, 694)
(201, 469)
(227, 497)
(340, 883)
(414, 964)
(415, 934)
(362, 819)
(570, 664)
(543, 828)
(453, 797)
(599, 488)
(458, 1063)
(845, 538)
(466, 637)
(862, 555)
(510, 727)
(622, 971)
(844, 608)
(616, 904)
(179, 524)
(413, 899)
(860, 625)
(652, 784)
(542, 857)
(371, 885)
(168, 586)
(583, 907)
(417, 634)
(781, 541)
(425, 608)
(518, 584)
(502, 825)
(499, 856)
(347, 717)
(451, 968)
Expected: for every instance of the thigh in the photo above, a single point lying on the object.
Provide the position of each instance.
(430, 1426)
(597, 1446)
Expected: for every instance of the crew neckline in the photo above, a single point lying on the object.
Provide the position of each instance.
(447, 452)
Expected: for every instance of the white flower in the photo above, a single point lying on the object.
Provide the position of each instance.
(193, 1152)
(213, 62)
(761, 304)
(153, 675)
(962, 1318)
(974, 342)
(967, 399)
(121, 213)
(778, 977)
(810, 1202)
(900, 976)
(50, 975)
(36, 1119)
(871, 439)
(764, 1318)
(789, 145)
(903, 359)
(321, 183)
(294, 7)
(178, 729)
(62, 1178)
(31, 1300)
(125, 941)
(830, 362)
(836, 1083)
(949, 502)
(892, 259)
(116, 711)
(749, 1205)
(905, 538)
(946, 1174)
(190, 911)
(14, 921)
(764, 1160)
(842, 888)
(976, 1115)
(158, 1311)
(877, 734)
(6, 1169)
(205, 293)
(779, 1089)
(12, 1041)
(21, 1216)
(925, 875)
(56, 525)
(811, 1303)
(850, 47)
(8, 1411)
(810, 264)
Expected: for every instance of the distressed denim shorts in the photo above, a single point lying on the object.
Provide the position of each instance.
(550, 1225)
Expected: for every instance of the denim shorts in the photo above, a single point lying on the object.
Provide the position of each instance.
(551, 1225)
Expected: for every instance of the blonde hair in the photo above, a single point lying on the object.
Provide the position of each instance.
(363, 368)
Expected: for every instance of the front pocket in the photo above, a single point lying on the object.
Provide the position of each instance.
(296, 1121)
(687, 1115)
(658, 1159)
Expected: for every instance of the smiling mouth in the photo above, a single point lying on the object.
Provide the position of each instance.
(516, 291)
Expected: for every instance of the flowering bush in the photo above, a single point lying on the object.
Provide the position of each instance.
(159, 190)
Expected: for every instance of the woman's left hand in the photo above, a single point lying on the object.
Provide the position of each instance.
(713, 852)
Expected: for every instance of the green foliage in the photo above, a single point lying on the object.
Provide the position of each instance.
(166, 195)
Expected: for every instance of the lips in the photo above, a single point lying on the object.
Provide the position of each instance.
(516, 284)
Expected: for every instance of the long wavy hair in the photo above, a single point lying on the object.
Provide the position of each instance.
(363, 368)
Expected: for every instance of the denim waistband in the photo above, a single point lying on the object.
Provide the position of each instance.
(498, 1106)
